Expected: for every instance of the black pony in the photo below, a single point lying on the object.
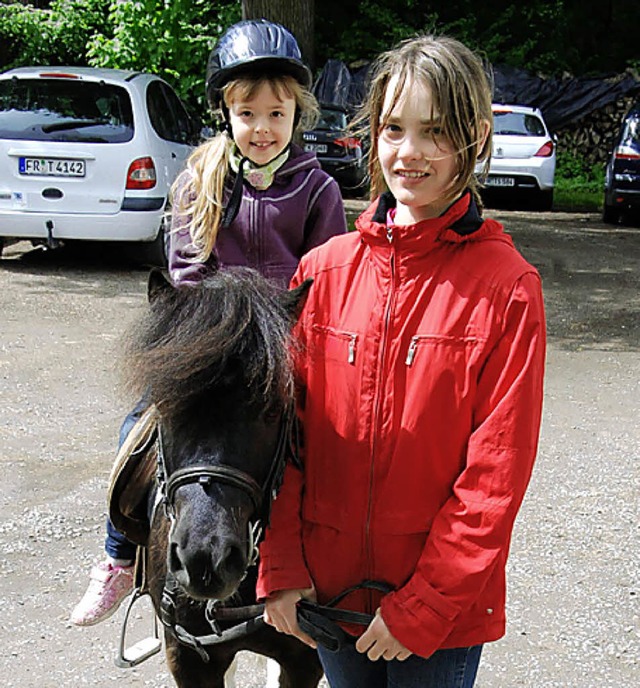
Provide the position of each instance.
(214, 361)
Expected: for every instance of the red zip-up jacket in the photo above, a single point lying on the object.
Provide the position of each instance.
(421, 367)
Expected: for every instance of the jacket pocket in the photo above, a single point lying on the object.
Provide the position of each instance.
(420, 341)
(334, 345)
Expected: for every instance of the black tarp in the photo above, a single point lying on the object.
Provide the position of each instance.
(338, 85)
(563, 100)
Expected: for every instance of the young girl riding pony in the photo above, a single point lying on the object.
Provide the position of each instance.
(420, 366)
(249, 196)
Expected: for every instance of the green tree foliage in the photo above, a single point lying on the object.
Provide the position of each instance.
(172, 39)
(546, 36)
(54, 36)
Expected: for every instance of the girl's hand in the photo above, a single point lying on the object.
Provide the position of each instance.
(280, 612)
(377, 642)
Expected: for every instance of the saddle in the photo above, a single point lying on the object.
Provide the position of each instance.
(132, 476)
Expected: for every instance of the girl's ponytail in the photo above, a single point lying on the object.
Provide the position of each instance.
(203, 199)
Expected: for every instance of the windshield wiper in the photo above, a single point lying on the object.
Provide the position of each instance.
(71, 124)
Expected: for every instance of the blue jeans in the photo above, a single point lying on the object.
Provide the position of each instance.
(116, 544)
(348, 668)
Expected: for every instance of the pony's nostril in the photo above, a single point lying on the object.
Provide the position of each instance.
(234, 559)
(175, 563)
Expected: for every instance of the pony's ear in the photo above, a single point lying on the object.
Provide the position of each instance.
(294, 299)
(157, 284)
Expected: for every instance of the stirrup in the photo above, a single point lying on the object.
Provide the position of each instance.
(127, 658)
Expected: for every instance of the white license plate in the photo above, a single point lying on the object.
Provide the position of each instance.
(315, 147)
(500, 181)
(51, 167)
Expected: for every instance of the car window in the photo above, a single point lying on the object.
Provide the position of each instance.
(184, 125)
(58, 109)
(332, 120)
(167, 114)
(632, 131)
(517, 124)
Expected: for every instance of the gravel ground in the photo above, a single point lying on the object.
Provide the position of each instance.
(573, 572)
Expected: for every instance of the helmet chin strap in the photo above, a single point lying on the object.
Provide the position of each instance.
(233, 205)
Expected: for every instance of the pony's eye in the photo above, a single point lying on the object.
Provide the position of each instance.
(271, 415)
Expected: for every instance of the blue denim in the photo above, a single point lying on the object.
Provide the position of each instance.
(116, 544)
(348, 668)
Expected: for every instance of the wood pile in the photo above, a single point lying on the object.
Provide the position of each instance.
(592, 137)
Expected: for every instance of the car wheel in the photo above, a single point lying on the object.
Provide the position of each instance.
(1, 246)
(153, 253)
(610, 215)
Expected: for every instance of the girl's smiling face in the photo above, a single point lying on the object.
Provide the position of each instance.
(417, 161)
(262, 126)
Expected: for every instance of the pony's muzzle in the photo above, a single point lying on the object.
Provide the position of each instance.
(212, 571)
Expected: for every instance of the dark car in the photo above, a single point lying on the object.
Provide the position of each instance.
(339, 153)
(622, 175)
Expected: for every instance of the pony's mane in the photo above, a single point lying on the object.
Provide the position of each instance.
(227, 336)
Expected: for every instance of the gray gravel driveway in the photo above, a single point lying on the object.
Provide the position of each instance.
(573, 575)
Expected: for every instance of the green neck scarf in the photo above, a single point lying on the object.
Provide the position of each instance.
(259, 176)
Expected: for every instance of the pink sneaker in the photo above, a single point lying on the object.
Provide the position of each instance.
(107, 589)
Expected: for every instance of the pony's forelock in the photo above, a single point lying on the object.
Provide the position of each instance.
(227, 338)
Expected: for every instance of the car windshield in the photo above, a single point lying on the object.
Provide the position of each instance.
(508, 123)
(332, 120)
(58, 109)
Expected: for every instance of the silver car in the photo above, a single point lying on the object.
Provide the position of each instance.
(89, 154)
(523, 160)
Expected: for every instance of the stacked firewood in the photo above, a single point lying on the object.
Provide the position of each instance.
(592, 138)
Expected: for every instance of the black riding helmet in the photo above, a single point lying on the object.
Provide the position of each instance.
(253, 46)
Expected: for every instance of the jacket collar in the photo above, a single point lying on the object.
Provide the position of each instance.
(460, 223)
(469, 222)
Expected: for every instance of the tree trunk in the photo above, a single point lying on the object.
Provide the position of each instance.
(295, 15)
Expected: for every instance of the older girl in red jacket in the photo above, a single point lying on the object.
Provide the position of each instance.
(421, 364)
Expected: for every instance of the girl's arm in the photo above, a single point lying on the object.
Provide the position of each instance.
(471, 533)
(282, 565)
(326, 217)
(183, 269)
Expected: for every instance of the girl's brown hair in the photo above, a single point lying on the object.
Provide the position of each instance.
(208, 165)
(461, 93)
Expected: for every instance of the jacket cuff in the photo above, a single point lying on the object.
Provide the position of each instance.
(272, 579)
(420, 623)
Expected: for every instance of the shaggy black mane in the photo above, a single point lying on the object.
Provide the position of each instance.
(227, 337)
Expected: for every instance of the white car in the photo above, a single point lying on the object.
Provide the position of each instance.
(523, 160)
(89, 154)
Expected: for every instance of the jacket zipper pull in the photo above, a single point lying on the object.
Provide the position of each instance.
(411, 354)
(390, 234)
(352, 349)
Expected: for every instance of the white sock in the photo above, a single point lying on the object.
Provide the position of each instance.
(119, 562)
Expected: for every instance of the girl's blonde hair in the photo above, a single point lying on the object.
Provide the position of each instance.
(208, 165)
(461, 94)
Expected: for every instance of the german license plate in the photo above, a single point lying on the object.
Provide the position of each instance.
(500, 181)
(315, 147)
(51, 167)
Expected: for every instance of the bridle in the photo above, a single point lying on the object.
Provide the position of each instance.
(261, 496)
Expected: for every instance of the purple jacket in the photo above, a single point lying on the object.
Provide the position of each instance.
(273, 229)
